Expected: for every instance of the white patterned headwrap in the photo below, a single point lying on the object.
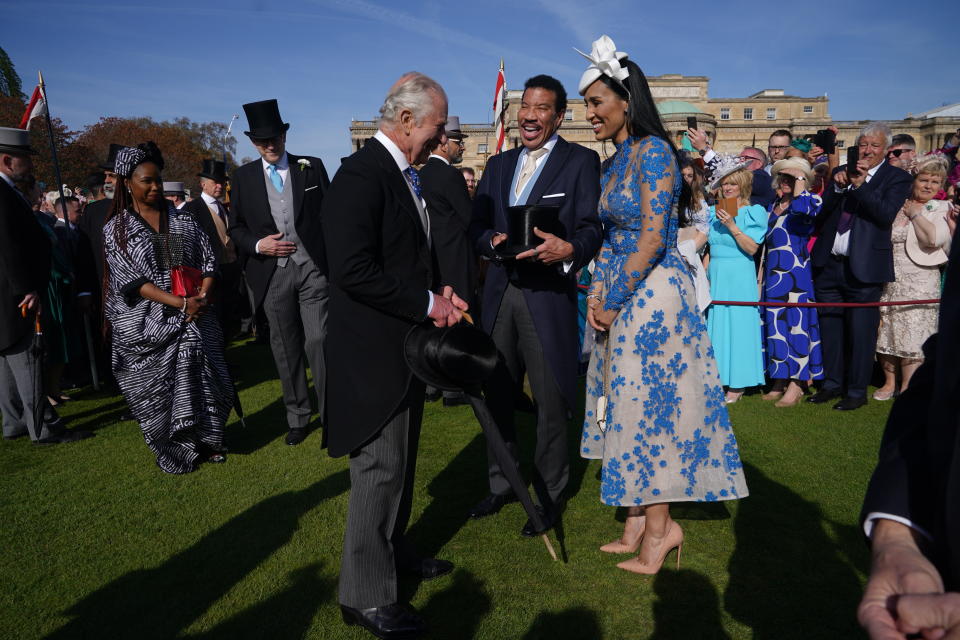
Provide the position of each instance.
(127, 160)
(604, 61)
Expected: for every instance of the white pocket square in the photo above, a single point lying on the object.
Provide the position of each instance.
(309, 188)
(555, 195)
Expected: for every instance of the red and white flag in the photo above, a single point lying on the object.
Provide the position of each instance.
(500, 109)
(36, 107)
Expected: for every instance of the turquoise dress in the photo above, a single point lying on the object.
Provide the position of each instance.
(667, 436)
(735, 331)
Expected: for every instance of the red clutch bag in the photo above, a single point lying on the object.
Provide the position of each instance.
(185, 281)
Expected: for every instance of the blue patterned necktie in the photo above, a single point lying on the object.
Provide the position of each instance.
(275, 178)
(413, 177)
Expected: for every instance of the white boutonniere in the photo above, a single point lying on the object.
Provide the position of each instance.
(304, 163)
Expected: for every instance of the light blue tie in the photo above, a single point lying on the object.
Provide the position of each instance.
(275, 178)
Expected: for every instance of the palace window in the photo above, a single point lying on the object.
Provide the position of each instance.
(481, 148)
(568, 115)
(725, 113)
(748, 113)
(808, 108)
(771, 113)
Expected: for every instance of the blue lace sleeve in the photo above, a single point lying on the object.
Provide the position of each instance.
(648, 185)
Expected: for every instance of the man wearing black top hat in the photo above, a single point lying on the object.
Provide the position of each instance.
(25, 255)
(275, 219)
(212, 216)
(529, 301)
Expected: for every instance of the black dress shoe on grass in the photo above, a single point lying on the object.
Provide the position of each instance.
(296, 436)
(429, 568)
(824, 395)
(456, 401)
(849, 404)
(390, 621)
(549, 520)
(490, 505)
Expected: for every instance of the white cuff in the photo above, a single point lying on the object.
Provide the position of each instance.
(567, 265)
(709, 154)
(429, 303)
(256, 247)
(877, 515)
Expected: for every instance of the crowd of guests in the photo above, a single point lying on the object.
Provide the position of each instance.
(342, 270)
(806, 229)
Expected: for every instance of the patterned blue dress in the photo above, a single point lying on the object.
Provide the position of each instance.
(792, 333)
(668, 436)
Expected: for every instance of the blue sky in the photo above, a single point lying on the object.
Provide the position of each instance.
(328, 61)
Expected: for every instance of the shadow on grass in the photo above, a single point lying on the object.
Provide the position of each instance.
(456, 611)
(687, 606)
(263, 427)
(570, 624)
(788, 579)
(164, 601)
(295, 606)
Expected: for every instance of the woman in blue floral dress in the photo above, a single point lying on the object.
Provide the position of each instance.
(792, 334)
(664, 434)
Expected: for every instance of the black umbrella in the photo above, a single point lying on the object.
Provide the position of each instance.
(36, 352)
(460, 358)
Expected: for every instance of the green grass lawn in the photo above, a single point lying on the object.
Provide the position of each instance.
(99, 543)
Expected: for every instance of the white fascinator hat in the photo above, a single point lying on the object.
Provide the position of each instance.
(604, 61)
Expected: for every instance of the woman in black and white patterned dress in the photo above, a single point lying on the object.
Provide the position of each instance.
(167, 355)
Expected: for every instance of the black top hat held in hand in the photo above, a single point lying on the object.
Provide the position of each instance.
(450, 358)
(521, 220)
(264, 119)
(111, 157)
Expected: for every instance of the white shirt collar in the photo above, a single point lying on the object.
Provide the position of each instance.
(210, 199)
(394, 150)
(548, 145)
(433, 155)
(8, 180)
(282, 164)
(871, 172)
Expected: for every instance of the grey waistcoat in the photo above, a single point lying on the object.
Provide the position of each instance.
(281, 208)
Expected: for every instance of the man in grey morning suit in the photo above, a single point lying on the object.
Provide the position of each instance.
(275, 219)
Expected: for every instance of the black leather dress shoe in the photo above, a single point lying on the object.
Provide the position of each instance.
(432, 395)
(849, 404)
(490, 505)
(296, 436)
(429, 568)
(824, 395)
(390, 621)
(64, 436)
(549, 520)
(455, 401)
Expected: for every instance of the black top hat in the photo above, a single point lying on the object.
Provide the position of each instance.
(264, 119)
(216, 170)
(111, 157)
(520, 223)
(452, 358)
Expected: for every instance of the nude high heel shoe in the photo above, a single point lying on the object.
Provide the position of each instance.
(673, 539)
(623, 544)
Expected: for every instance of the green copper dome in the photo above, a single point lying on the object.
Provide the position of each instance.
(676, 106)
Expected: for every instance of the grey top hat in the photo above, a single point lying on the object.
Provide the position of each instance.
(15, 141)
(453, 128)
(173, 188)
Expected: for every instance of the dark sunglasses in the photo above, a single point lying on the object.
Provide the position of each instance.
(896, 153)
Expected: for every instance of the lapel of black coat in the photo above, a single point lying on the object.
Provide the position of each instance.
(15, 198)
(508, 167)
(398, 184)
(555, 163)
(298, 180)
(257, 204)
(397, 181)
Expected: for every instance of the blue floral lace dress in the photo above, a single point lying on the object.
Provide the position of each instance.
(668, 436)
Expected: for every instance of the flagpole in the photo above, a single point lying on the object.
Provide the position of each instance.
(53, 147)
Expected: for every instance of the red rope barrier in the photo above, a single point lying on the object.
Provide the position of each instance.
(898, 303)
